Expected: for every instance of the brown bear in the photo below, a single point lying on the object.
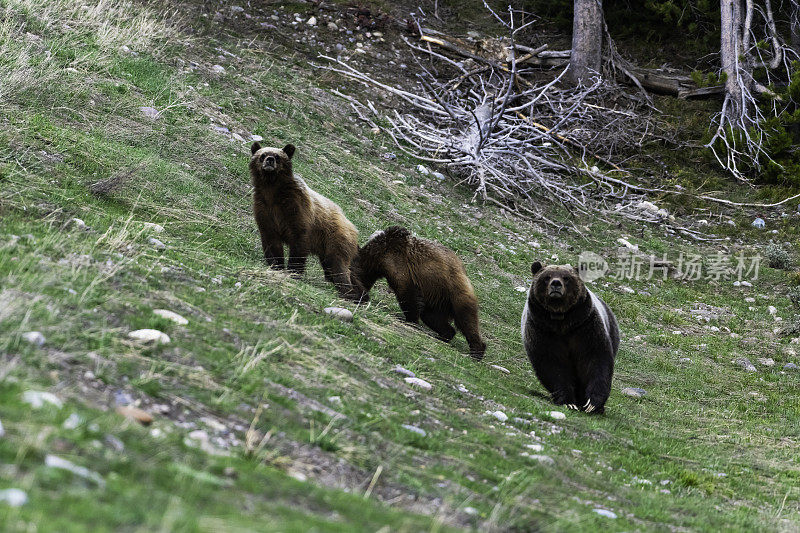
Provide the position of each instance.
(429, 280)
(287, 211)
(571, 337)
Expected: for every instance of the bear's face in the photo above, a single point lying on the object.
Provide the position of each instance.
(269, 163)
(557, 288)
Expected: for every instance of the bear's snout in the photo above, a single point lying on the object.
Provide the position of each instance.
(555, 289)
(269, 163)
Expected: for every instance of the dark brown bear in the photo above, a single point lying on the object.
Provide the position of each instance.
(428, 279)
(571, 337)
(288, 211)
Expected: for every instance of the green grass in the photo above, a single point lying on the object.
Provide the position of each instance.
(259, 352)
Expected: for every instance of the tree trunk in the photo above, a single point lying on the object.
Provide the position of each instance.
(587, 41)
(731, 56)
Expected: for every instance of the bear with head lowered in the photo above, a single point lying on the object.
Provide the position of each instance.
(571, 337)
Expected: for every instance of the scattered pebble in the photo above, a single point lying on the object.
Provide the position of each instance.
(500, 415)
(218, 69)
(415, 429)
(13, 497)
(335, 399)
(634, 392)
(404, 371)
(152, 226)
(787, 366)
(171, 315)
(116, 444)
(312, 21)
(58, 462)
(544, 459)
(556, 415)
(417, 382)
(37, 399)
(606, 513)
(520, 288)
(422, 170)
(470, 511)
(746, 364)
(80, 224)
(33, 337)
(2, 430)
(149, 335)
(149, 112)
(772, 310)
(134, 413)
(341, 313)
(299, 476)
(502, 369)
(73, 421)
(535, 447)
(766, 361)
(157, 244)
(759, 223)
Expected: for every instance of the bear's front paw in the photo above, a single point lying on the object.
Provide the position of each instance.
(592, 407)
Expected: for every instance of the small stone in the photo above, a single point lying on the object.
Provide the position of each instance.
(750, 300)
(606, 513)
(78, 223)
(150, 112)
(218, 69)
(335, 399)
(404, 371)
(2, 430)
(422, 170)
(544, 459)
(766, 361)
(333, 27)
(417, 382)
(535, 447)
(415, 429)
(470, 511)
(299, 476)
(157, 244)
(114, 443)
(152, 226)
(237, 9)
(439, 176)
(256, 138)
(772, 310)
(499, 415)
(556, 415)
(759, 223)
(73, 421)
(341, 313)
(149, 335)
(787, 366)
(134, 413)
(502, 369)
(125, 49)
(13, 497)
(33, 337)
(520, 288)
(37, 399)
(312, 21)
(171, 316)
(745, 364)
(634, 392)
(57, 462)
(746, 284)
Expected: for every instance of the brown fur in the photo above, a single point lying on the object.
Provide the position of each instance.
(287, 211)
(429, 280)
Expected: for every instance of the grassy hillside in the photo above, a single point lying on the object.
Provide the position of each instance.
(268, 413)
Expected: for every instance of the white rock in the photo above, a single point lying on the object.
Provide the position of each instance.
(218, 69)
(556, 415)
(33, 337)
(422, 170)
(535, 447)
(745, 364)
(502, 369)
(299, 476)
(417, 382)
(414, 429)
(759, 223)
(171, 315)
(37, 399)
(404, 371)
(544, 459)
(149, 112)
(772, 310)
(152, 226)
(58, 462)
(73, 421)
(157, 244)
(256, 138)
(766, 361)
(341, 313)
(606, 513)
(80, 224)
(13, 497)
(627, 244)
(470, 511)
(2, 430)
(520, 288)
(634, 392)
(312, 21)
(647, 206)
(746, 284)
(149, 335)
(750, 300)
(500, 415)
(332, 26)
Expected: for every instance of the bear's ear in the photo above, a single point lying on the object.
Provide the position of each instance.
(289, 150)
(255, 148)
(536, 267)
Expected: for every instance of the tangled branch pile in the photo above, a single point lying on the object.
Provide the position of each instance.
(507, 126)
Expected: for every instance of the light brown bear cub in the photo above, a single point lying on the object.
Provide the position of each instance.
(429, 280)
(288, 211)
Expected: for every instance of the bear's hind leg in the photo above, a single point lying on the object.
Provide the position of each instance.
(465, 316)
(439, 322)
